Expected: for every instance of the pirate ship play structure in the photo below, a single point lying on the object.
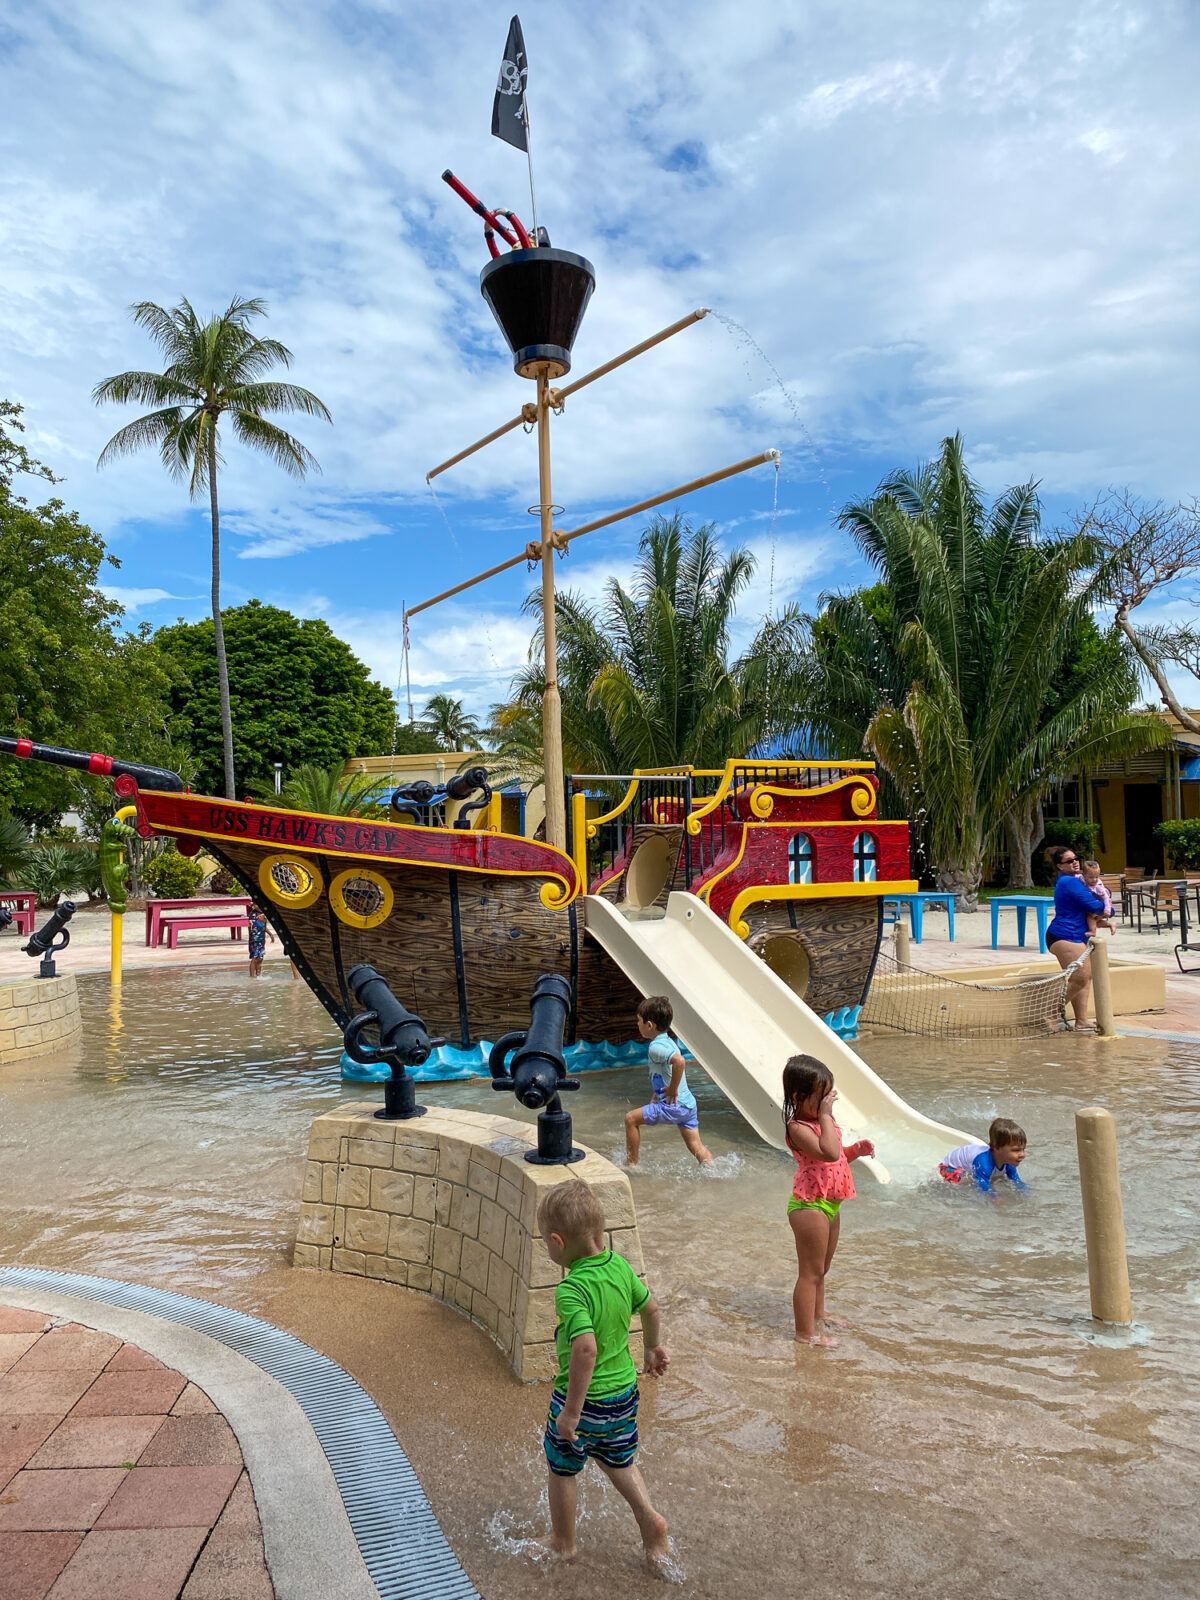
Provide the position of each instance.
(752, 894)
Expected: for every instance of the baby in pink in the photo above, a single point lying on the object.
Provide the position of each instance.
(1091, 876)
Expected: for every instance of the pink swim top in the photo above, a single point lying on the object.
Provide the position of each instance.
(821, 1180)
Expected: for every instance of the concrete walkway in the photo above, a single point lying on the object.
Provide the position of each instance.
(972, 947)
(118, 1478)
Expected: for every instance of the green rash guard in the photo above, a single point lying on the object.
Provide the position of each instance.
(599, 1295)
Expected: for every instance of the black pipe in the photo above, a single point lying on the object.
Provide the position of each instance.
(100, 766)
(403, 1041)
(537, 1073)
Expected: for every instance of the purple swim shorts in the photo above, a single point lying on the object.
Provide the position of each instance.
(678, 1116)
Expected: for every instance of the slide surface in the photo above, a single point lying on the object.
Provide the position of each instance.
(742, 1022)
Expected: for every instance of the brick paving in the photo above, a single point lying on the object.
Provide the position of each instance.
(118, 1478)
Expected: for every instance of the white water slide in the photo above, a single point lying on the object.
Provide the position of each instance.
(742, 1022)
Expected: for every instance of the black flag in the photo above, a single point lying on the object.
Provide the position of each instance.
(508, 108)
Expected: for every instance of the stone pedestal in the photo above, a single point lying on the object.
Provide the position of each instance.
(37, 1015)
(447, 1205)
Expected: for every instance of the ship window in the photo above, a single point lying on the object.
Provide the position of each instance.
(290, 881)
(866, 852)
(800, 859)
(361, 898)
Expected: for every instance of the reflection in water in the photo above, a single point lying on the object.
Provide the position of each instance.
(963, 1433)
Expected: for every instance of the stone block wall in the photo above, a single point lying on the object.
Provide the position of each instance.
(446, 1204)
(37, 1015)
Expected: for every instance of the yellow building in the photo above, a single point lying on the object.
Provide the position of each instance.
(1130, 798)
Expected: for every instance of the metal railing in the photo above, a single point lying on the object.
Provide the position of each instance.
(701, 800)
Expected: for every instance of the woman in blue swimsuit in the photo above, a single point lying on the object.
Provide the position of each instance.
(1067, 935)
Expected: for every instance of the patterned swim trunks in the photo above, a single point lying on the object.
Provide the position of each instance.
(607, 1430)
(951, 1174)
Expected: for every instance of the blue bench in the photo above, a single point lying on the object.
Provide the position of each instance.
(1041, 904)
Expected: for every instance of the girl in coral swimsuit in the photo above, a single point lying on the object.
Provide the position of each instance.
(821, 1183)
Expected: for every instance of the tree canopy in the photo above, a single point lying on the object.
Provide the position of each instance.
(646, 676)
(68, 675)
(299, 695)
(973, 671)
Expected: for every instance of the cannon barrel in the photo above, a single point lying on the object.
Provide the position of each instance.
(537, 1074)
(100, 766)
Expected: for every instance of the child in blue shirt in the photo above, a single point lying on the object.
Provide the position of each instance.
(671, 1100)
(1003, 1154)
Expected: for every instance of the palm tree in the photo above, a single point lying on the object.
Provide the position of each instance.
(330, 791)
(14, 849)
(213, 368)
(447, 722)
(973, 672)
(645, 677)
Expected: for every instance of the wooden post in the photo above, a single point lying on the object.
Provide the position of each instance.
(902, 949)
(1103, 1221)
(1102, 988)
(552, 751)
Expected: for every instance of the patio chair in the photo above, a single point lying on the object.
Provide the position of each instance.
(1114, 882)
(1165, 902)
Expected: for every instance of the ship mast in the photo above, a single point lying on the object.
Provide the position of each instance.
(543, 353)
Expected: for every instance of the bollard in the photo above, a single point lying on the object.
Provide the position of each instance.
(1102, 989)
(1103, 1221)
(902, 949)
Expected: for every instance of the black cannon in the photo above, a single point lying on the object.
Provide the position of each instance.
(464, 784)
(403, 1041)
(51, 937)
(537, 1073)
(414, 800)
(6, 917)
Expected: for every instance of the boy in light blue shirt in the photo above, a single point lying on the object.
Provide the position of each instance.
(671, 1099)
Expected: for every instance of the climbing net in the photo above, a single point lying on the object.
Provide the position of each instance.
(905, 999)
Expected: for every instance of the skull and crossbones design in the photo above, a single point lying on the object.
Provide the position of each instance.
(512, 78)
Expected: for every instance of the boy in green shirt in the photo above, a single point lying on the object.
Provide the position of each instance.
(594, 1403)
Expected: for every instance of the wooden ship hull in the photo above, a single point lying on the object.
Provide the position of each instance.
(461, 921)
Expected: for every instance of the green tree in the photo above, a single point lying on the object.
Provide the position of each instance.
(69, 675)
(331, 791)
(445, 721)
(646, 677)
(214, 369)
(299, 695)
(973, 671)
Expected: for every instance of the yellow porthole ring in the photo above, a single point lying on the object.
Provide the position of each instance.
(347, 913)
(276, 873)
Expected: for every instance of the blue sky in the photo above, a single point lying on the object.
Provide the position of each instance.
(929, 215)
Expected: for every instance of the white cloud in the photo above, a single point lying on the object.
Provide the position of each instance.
(136, 599)
(929, 217)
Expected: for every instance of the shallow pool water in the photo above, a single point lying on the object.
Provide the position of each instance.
(969, 1429)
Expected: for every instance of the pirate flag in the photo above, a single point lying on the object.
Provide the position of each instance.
(508, 108)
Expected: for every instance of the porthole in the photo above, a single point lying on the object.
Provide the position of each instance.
(361, 898)
(290, 881)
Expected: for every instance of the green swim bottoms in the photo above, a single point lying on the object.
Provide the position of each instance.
(829, 1207)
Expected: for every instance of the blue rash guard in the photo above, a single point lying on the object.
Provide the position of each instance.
(985, 1169)
(977, 1159)
(1074, 903)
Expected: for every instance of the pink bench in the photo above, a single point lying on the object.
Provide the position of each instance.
(23, 906)
(174, 926)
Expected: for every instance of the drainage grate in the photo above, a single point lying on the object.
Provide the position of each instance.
(402, 1544)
